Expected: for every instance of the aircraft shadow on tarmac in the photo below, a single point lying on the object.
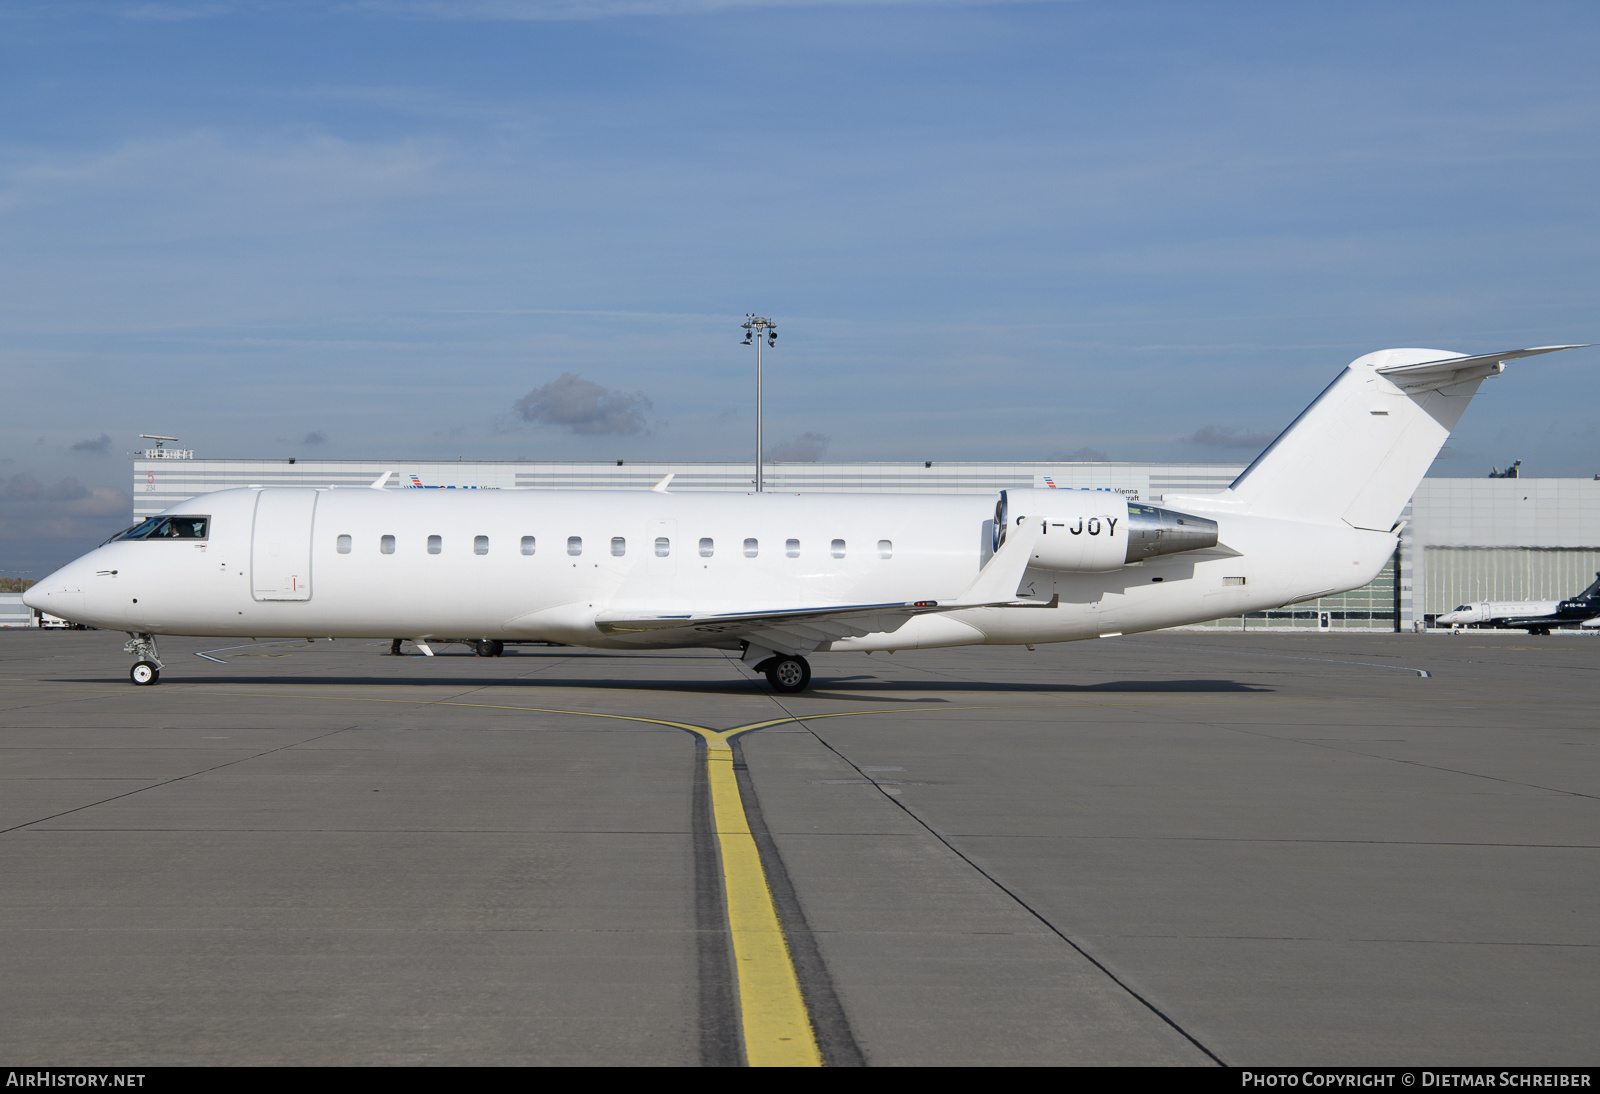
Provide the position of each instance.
(876, 688)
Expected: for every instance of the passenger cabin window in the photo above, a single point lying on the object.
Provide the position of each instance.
(344, 545)
(435, 545)
(663, 546)
(386, 545)
(619, 546)
(168, 528)
(791, 547)
(886, 548)
(574, 545)
(480, 545)
(707, 548)
(527, 545)
(751, 548)
(838, 548)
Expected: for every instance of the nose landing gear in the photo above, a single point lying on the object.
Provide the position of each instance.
(147, 670)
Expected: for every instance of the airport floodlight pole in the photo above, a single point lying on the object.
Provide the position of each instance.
(755, 326)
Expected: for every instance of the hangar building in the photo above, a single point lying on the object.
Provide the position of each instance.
(1465, 539)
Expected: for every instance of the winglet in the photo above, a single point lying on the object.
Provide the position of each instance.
(377, 484)
(661, 487)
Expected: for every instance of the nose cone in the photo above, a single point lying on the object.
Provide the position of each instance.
(62, 592)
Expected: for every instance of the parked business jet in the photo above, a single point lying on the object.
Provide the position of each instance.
(1533, 616)
(781, 577)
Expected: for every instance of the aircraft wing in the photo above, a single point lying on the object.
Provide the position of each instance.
(830, 622)
(1425, 375)
(808, 627)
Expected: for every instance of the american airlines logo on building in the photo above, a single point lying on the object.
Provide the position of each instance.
(418, 484)
(1048, 482)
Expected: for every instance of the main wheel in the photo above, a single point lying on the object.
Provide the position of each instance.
(788, 674)
(493, 647)
(144, 673)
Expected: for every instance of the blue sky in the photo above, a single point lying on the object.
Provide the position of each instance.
(988, 231)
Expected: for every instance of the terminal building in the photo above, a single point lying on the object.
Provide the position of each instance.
(1464, 539)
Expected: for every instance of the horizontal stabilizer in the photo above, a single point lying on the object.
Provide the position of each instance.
(1457, 370)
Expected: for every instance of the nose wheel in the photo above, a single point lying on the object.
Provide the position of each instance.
(788, 674)
(146, 670)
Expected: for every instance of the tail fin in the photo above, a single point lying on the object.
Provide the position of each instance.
(1357, 453)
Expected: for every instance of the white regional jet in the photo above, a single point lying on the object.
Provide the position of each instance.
(782, 576)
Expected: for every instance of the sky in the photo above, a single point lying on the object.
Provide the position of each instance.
(530, 229)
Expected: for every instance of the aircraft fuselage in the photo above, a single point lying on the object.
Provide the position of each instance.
(536, 565)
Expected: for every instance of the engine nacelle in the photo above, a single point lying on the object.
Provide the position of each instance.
(1153, 532)
(1092, 531)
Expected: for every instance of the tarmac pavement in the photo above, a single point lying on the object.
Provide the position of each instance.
(1182, 848)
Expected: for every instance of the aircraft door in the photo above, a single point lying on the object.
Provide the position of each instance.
(280, 545)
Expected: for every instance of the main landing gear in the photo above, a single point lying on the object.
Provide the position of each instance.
(787, 673)
(488, 647)
(146, 670)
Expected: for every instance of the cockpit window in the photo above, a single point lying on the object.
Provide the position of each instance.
(142, 529)
(1463, 607)
(169, 528)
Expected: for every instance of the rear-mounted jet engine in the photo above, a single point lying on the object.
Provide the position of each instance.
(1092, 531)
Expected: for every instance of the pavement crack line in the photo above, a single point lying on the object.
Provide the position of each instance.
(174, 779)
(1331, 747)
(802, 721)
(779, 1020)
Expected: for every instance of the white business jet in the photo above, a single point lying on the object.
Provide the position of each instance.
(780, 577)
(1533, 616)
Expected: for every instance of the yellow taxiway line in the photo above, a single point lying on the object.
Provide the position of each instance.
(774, 1020)
(776, 1025)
